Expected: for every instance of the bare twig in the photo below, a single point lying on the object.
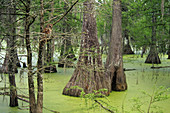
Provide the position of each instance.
(66, 13)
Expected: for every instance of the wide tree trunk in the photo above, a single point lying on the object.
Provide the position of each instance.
(153, 57)
(114, 63)
(88, 74)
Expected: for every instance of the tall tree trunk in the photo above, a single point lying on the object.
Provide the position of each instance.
(40, 78)
(114, 63)
(32, 102)
(12, 58)
(8, 21)
(17, 59)
(143, 50)
(39, 107)
(169, 47)
(126, 40)
(6, 62)
(88, 73)
(168, 51)
(153, 57)
(127, 48)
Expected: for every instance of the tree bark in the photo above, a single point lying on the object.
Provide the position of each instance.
(42, 40)
(143, 50)
(6, 62)
(12, 58)
(88, 74)
(153, 57)
(32, 102)
(127, 48)
(114, 63)
(168, 51)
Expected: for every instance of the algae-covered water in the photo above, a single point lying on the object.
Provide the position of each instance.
(142, 79)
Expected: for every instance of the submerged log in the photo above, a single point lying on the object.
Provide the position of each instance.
(160, 67)
(128, 69)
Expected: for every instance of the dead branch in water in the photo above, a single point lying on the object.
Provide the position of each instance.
(128, 69)
(160, 67)
(21, 97)
(104, 107)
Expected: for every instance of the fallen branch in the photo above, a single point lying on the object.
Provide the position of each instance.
(23, 108)
(21, 97)
(104, 107)
(128, 69)
(4, 88)
(4, 93)
(51, 110)
(160, 67)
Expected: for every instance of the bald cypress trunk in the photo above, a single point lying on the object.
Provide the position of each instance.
(114, 63)
(127, 48)
(88, 73)
(153, 57)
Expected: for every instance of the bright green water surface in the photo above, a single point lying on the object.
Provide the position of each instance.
(143, 78)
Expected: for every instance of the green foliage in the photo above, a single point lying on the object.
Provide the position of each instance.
(137, 19)
(104, 17)
(158, 94)
(94, 100)
(142, 104)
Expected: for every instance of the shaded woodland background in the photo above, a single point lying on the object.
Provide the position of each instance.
(41, 35)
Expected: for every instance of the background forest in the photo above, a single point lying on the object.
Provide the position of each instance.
(86, 49)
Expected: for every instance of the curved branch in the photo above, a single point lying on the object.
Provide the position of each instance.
(104, 107)
(66, 12)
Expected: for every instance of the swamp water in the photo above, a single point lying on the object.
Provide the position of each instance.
(142, 79)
